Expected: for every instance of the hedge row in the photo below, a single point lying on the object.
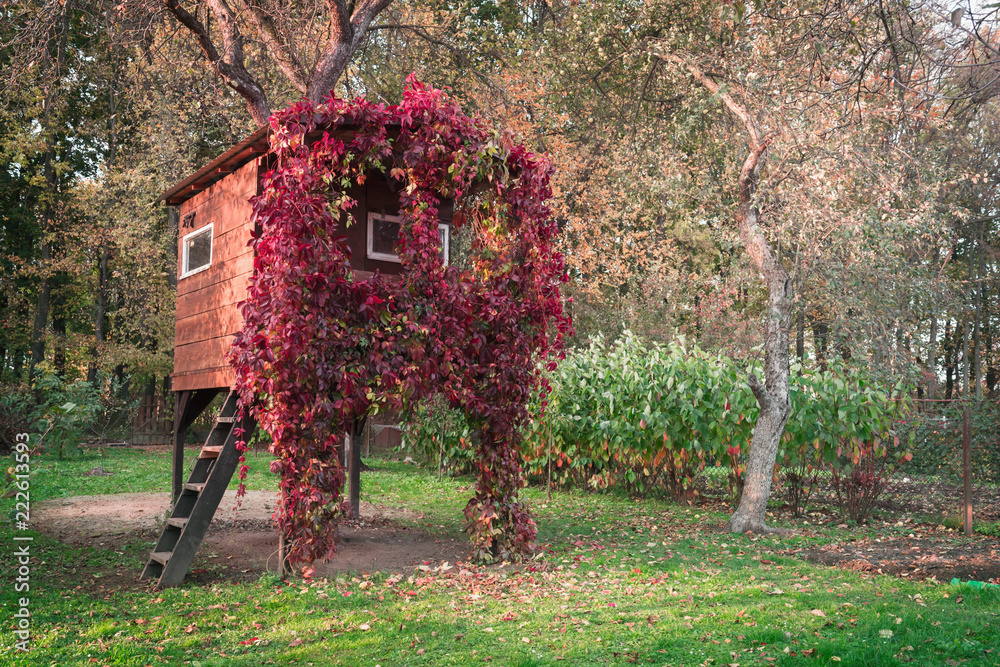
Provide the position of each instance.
(646, 416)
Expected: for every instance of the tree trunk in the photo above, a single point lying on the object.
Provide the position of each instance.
(102, 304)
(967, 329)
(773, 395)
(977, 364)
(949, 360)
(173, 230)
(989, 361)
(18, 364)
(41, 314)
(932, 376)
(59, 335)
(820, 341)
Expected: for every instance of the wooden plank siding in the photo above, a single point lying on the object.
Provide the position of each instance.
(206, 315)
(191, 329)
(202, 354)
(222, 376)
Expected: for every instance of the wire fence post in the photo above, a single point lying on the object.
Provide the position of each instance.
(550, 461)
(967, 468)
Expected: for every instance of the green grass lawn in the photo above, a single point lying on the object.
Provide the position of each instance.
(133, 470)
(617, 581)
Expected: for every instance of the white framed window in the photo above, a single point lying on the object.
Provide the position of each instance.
(196, 253)
(444, 233)
(383, 234)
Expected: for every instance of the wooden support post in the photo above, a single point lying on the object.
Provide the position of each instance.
(967, 467)
(354, 469)
(181, 401)
(188, 405)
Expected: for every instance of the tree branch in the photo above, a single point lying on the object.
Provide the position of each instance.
(346, 33)
(277, 44)
(189, 21)
(734, 106)
(761, 393)
(340, 20)
(229, 64)
(366, 13)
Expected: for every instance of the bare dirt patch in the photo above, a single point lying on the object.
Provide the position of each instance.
(243, 545)
(937, 555)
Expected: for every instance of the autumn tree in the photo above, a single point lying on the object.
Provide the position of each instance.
(83, 250)
(310, 43)
(794, 122)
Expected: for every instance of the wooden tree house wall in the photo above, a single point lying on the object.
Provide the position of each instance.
(215, 262)
(216, 197)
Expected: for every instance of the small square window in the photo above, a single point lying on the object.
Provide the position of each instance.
(383, 235)
(197, 251)
(444, 232)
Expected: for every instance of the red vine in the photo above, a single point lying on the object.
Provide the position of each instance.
(321, 348)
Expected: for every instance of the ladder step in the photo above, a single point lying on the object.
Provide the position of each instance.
(175, 550)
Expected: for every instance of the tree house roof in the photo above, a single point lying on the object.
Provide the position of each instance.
(237, 156)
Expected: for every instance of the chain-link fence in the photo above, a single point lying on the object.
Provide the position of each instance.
(933, 484)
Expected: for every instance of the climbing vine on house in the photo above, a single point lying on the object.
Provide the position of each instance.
(321, 347)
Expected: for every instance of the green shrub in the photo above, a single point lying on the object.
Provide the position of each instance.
(648, 417)
(67, 412)
(15, 407)
(438, 435)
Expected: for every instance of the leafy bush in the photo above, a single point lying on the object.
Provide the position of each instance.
(15, 407)
(644, 416)
(64, 411)
(860, 474)
(834, 414)
(67, 412)
(640, 415)
(439, 435)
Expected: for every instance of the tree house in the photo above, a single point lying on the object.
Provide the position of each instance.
(215, 260)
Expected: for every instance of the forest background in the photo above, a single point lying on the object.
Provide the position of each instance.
(874, 126)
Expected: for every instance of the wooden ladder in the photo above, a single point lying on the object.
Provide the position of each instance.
(195, 507)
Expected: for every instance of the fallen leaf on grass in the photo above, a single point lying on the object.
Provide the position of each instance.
(295, 642)
(818, 612)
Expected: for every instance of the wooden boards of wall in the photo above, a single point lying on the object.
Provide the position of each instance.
(207, 315)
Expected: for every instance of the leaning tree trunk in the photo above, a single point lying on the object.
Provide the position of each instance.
(773, 394)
